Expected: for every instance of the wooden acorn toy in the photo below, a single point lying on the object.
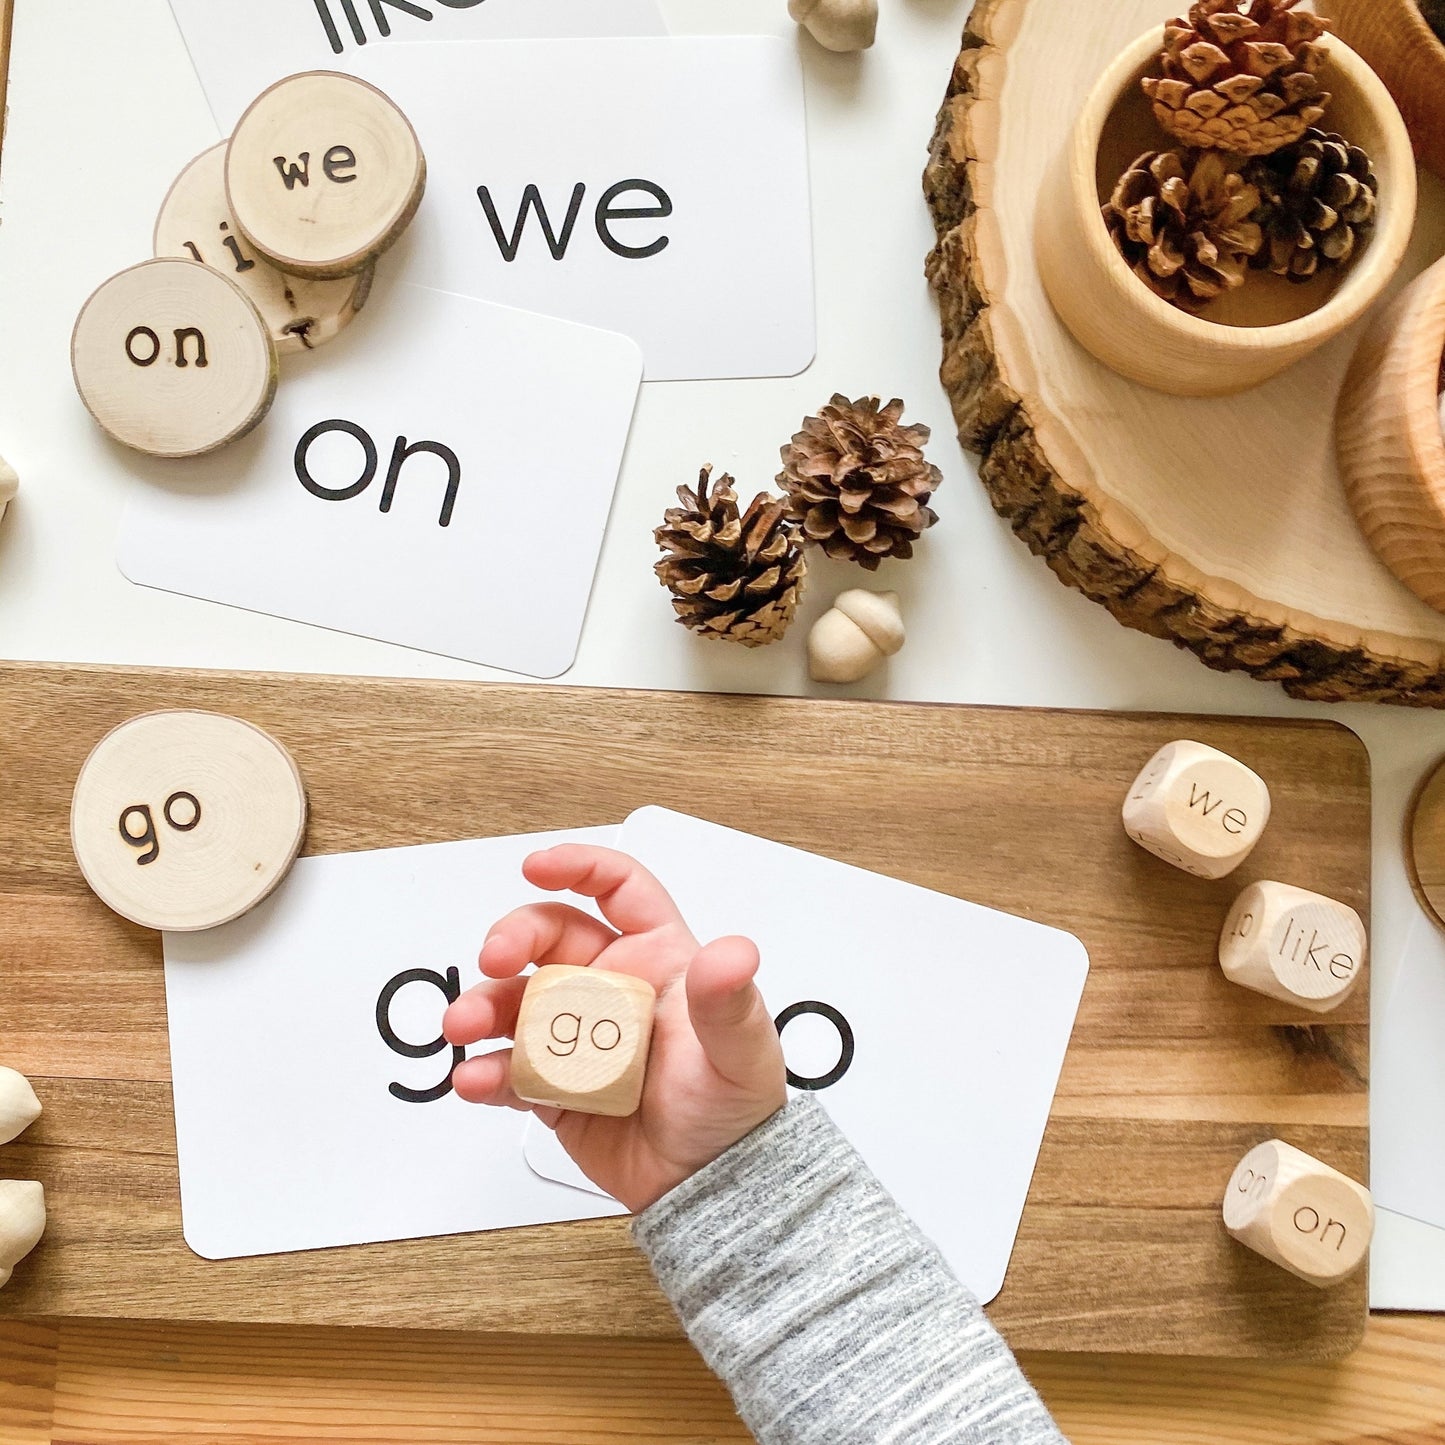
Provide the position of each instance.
(22, 1222)
(9, 485)
(19, 1108)
(859, 632)
(840, 25)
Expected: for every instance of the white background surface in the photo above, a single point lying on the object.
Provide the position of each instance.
(104, 114)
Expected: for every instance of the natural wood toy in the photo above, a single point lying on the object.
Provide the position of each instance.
(19, 1108)
(1299, 1213)
(1425, 843)
(837, 24)
(1293, 945)
(22, 1222)
(582, 1039)
(859, 632)
(323, 173)
(9, 485)
(1197, 808)
(185, 820)
(173, 359)
(195, 221)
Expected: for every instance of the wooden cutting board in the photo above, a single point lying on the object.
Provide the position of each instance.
(1173, 1073)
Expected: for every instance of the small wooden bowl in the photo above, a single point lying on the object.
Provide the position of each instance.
(1387, 434)
(1407, 55)
(1250, 334)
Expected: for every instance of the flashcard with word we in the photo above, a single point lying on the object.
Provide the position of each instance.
(654, 187)
(312, 1085)
(931, 1029)
(239, 47)
(438, 476)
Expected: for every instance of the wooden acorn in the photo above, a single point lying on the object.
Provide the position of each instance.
(858, 633)
(22, 1222)
(9, 485)
(19, 1108)
(837, 24)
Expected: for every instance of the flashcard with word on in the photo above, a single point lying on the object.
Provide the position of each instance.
(239, 47)
(931, 1029)
(654, 187)
(312, 1085)
(438, 476)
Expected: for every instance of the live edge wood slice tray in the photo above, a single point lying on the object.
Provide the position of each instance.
(1173, 1073)
(1219, 524)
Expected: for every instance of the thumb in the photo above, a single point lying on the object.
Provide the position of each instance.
(731, 1020)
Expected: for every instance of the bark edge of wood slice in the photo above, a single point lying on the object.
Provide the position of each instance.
(1349, 633)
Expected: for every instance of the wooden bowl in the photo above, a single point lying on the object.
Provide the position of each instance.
(1248, 335)
(1388, 437)
(1407, 55)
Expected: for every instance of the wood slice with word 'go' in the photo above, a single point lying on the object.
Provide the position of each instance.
(184, 820)
(172, 359)
(195, 221)
(323, 173)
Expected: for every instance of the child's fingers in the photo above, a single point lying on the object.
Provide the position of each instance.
(630, 897)
(731, 1020)
(488, 1080)
(542, 933)
(488, 1011)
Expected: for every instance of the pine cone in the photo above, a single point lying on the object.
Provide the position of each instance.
(1434, 13)
(1181, 219)
(1317, 205)
(1240, 75)
(858, 481)
(733, 577)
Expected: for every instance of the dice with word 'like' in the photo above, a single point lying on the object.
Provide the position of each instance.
(1197, 808)
(582, 1039)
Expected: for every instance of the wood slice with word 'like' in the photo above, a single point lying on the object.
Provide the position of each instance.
(323, 173)
(195, 220)
(1220, 524)
(172, 359)
(184, 820)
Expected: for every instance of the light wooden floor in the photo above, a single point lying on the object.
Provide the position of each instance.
(86, 1383)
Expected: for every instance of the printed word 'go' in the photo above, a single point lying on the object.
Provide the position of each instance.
(182, 811)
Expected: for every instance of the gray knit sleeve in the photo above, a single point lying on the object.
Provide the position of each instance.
(821, 1306)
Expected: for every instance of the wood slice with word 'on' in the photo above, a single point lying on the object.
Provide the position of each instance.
(195, 221)
(172, 359)
(185, 820)
(323, 173)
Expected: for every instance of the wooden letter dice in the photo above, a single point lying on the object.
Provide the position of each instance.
(582, 1039)
(1301, 1214)
(1197, 808)
(1293, 945)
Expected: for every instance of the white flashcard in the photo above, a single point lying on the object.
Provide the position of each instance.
(241, 48)
(1407, 1085)
(654, 187)
(931, 1029)
(438, 476)
(312, 1096)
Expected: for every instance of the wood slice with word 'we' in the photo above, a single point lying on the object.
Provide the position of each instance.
(323, 173)
(195, 221)
(185, 820)
(172, 359)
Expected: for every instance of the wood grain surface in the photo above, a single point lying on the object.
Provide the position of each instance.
(1174, 1073)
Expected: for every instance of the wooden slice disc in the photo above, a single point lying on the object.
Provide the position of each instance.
(195, 221)
(1425, 843)
(172, 359)
(184, 820)
(323, 173)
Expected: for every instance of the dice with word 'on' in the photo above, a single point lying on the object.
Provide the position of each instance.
(582, 1039)
(1299, 1213)
(1294, 945)
(1197, 808)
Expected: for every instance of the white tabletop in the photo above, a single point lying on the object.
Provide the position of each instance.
(105, 111)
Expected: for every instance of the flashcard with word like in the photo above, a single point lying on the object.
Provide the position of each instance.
(931, 1029)
(654, 187)
(312, 1085)
(438, 476)
(241, 47)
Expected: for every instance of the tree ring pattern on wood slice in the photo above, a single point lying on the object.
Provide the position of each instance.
(1425, 843)
(323, 174)
(185, 820)
(195, 221)
(172, 359)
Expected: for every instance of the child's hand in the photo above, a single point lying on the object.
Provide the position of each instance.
(716, 1069)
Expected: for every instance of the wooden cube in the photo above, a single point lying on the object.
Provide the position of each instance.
(1299, 1213)
(582, 1039)
(1197, 808)
(1293, 945)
